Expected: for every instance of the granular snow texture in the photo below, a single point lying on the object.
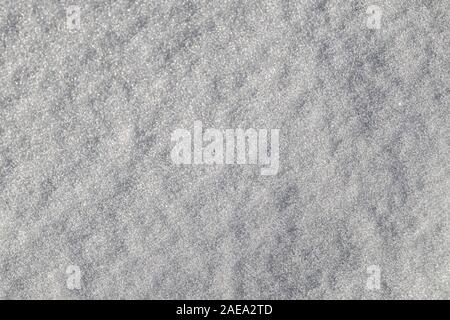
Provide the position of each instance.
(87, 182)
